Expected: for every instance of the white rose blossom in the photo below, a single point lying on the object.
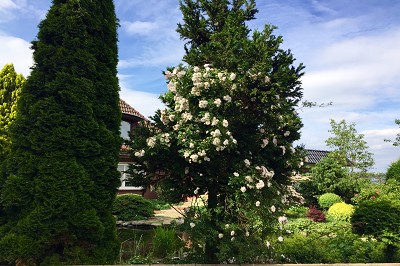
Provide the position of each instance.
(286, 134)
(216, 141)
(248, 178)
(243, 189)
(151, 142)
(280, 239)
(214, 121)
(217, 102)
(264, 143)
(260, 184)
(258, 203)
(232, 76)
(227, 98)
(246, 162)
(192, 225)
(140, 153)
(203, 104)
(282, 220)
(220, 235)
(273, 209)
(225, 123)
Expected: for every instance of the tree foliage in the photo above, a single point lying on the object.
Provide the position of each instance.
(350, 148)
(393, 171)
(227, 130)
(10, 87)
(62, 173)
(396, 142)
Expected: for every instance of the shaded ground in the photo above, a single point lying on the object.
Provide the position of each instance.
(161, 217)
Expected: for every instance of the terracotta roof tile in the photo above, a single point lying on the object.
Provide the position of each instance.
(127, 109)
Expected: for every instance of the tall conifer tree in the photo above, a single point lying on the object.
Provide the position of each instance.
(62, 173)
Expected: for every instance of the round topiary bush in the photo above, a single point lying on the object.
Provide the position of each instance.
(341, 211)
(129, 207)
(394, 171)
(326, 200)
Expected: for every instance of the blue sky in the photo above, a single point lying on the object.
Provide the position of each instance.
(351, 50)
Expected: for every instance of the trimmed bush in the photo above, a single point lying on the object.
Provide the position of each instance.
(316, 215)
(326, 200)
(341, 211)
(129, 207)
(394, 171)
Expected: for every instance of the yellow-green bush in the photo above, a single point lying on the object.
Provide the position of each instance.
(341, 212)
(325, 201)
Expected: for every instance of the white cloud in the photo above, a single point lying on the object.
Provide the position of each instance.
(144, 102)
(139, 27)
(16, 51)
(7, 4)
(164, 53)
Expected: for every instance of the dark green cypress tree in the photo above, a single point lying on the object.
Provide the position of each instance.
(62, 173)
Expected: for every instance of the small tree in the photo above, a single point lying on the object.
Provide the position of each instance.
(350, 148)
(228, 130)
(396, 142)
(61, 175)
(10, 87)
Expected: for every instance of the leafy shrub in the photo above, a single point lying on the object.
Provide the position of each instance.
(367, 193)
(316, 215)
(328, 199)
(380, 218)
(341, 211)
(296, 212)
(307, 249)
(299, 225)
(367, 251)
(129, 207)
(394, 171)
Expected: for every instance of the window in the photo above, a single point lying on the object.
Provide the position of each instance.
(125, 129)
(122, 168)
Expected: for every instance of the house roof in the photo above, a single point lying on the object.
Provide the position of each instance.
(129, 110)
(315, 156)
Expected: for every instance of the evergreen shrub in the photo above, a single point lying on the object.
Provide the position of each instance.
(328, 199)
(341, 211)
(379, 218)
(316, 215)
(128, 207)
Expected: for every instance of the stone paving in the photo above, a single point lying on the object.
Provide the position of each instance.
(161, 217)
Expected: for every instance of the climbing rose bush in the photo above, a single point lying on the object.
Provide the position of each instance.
(199, 146)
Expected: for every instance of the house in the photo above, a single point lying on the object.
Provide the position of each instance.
(312, 158)
(130, 119)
